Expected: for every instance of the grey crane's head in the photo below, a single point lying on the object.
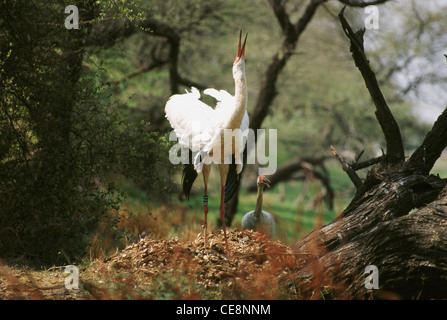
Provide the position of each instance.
(263, 181)
(239, 62)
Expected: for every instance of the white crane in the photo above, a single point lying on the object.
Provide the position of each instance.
(200, 128)
(259, 219)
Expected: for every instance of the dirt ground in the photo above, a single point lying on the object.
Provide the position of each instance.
(255, 267)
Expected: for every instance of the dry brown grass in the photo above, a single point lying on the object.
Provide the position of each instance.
(163, 266)
(255, 267)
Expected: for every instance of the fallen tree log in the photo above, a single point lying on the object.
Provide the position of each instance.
(408, 247)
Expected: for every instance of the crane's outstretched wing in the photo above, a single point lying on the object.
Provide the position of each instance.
(194, 123)
(222, 96)
(192, 120)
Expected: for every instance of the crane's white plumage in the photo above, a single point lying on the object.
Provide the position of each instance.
(202, 128)
(195, 123)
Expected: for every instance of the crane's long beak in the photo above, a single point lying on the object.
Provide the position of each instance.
(264, 181)
(267, 182)
(240, 50)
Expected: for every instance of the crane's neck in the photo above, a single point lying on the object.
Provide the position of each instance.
(258, 208)
(240, 95)
(240, 91)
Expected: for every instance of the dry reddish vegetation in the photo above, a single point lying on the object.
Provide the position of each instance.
(255, 268)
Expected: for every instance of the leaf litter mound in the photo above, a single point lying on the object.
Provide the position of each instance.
(255, 266)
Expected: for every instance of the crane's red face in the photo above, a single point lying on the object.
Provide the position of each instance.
(263, 180)
(240, 50)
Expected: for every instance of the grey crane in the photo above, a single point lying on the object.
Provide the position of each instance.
(259, 219)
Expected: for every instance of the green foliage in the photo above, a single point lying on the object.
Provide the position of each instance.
(63, 142)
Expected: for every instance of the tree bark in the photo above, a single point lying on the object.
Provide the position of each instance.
(408, 248)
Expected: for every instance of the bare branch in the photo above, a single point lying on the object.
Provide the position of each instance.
(390, 128)
(206, 11)
(286, 170)
(424, 158)
(281, 15)
(147, 68)
(289, 170)
(348, 169)
(365, 164)
(292, 34)
(189, 83)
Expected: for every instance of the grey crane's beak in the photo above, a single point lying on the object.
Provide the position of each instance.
(264, 181)
(240, 50)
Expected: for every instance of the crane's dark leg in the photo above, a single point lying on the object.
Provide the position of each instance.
(223, 169)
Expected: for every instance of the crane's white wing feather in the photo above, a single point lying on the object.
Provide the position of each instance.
(192, 120)
(195, 124)
(222, 96)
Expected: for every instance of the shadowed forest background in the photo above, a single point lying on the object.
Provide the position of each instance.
(84, 166)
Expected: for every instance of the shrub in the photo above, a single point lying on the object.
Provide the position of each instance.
(63, 143)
